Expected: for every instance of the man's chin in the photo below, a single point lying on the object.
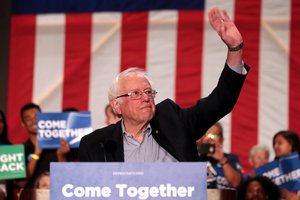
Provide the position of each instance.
(147, 117)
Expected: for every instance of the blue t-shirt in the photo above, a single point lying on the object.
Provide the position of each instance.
(215, 173)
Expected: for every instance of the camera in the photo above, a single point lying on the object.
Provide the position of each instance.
(205, 148)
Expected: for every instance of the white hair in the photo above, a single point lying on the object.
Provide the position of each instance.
(259, 147)
(114, 88)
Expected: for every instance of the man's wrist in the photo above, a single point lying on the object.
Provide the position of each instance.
(236, 48)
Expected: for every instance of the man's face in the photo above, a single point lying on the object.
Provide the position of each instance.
(29, 120)
(134, 111)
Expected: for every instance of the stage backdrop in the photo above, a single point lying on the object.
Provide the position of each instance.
(65, 54)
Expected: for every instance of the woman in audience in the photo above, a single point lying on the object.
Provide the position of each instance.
(258, 156)
(43, 181)
(224, 170)
(284, 143)
(4, 193)
(3, 129)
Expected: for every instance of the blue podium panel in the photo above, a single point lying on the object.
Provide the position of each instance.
(128, 181)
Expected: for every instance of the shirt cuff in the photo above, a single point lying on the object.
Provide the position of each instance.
(240, 69)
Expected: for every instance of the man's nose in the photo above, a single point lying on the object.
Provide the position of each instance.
(145, 96)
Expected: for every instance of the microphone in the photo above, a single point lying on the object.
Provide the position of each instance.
(104, 151)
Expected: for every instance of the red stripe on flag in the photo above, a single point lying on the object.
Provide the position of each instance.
(245, 114)
(189, 57)
(21, 66)
(294, 84)
(77, 61)
(134, 40)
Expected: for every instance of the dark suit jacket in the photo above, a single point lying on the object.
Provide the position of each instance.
(174, 128)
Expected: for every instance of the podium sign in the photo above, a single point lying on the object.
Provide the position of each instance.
(128, 181)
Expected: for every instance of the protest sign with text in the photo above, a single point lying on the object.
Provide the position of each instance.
(12, 162)
(285, 171)
(71, 126)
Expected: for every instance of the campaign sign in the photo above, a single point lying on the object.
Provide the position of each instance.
(12, 162)
(128, 181)
(71, 126)
(285, 171)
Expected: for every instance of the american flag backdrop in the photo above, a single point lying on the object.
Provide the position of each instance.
(66, 53)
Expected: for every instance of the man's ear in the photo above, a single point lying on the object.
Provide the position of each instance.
(115, 106)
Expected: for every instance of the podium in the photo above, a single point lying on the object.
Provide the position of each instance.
(133, 181)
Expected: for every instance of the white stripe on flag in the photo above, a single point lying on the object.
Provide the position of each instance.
(274, 62)
(105, 62)
(161, 52)
(49, 61)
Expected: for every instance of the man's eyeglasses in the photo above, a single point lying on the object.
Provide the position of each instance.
(137, 94)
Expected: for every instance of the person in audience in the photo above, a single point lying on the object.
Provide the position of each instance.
(66, 153)
(3, 129)
(224, 169)
(40, 190)
(5, 185)
(38, 160)
(43, 181)
(111, 116)
(286, 142)
(165, 132)
(3, 140)
(258, 156)
(259, 188)
(2, 191)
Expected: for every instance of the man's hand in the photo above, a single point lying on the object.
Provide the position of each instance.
(225, 27)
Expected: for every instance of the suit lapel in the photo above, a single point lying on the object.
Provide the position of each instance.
(117, 139)
(163, 141)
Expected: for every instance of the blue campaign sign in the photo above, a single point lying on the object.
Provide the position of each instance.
(128, 181)
(71, 126)
(285, 171)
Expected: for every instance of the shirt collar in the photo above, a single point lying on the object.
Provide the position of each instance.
(147, 131)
